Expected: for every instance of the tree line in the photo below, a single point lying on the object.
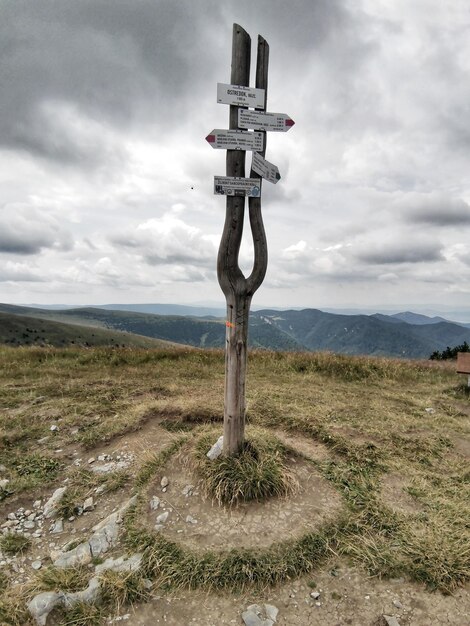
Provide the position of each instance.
(449, 353)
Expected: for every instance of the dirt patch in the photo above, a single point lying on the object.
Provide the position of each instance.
(394, 495)
(310, 448)
(461, 446)
(251, 524)
(347, 597)
(351, 434)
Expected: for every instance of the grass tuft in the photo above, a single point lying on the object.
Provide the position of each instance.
(83, 614)
(57, 579)
(13, 610)
(12, 544)
(174, 567)
(259, 472)
(118, 589)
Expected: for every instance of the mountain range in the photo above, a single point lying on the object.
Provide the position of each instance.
(406, 335)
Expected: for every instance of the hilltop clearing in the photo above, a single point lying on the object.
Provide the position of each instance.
(373, 522)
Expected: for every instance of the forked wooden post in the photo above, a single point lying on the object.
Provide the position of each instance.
(237, 289)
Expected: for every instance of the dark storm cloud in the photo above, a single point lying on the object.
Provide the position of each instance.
(113, 62)
(26, 231)
(300, 24)
(439, 212)
(11, 244)
(130, 63)
(397, 253)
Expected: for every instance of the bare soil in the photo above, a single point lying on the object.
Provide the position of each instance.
(348, 596)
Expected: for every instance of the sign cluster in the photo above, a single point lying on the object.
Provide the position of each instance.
(248, 140)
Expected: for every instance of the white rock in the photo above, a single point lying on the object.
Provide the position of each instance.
(101, 540)
(81, 555)
(121, 564)
(42, 604)
(315, 595)
(255, 615)
(391, 620)
(88, 505)
(164, 482)
(58, 527)
(36, 565)
(216, 449)
(188, 490)
(54, 428)
(91, 460)
(51, 506)
(161, 519)
(271, 611)
(37, 504)
(154, 503)
(90, 595)
(112, 466)
(190, 519)
(4, 483)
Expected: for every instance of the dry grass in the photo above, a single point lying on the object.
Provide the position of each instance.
(260, 471)
(376, 416)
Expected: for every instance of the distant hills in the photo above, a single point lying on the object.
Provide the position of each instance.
(23, 330)
(407, 334)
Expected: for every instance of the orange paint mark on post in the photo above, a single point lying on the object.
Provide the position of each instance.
(229, 325)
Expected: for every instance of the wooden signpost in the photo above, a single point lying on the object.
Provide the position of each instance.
(235, 139)
(463, 364)
(237, 289)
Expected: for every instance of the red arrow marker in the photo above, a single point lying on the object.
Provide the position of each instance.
(289, 122)
(210, 138)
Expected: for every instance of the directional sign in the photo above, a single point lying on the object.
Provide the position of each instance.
(264, 168)
(240, 96)
(260, 120)
(235, 140)
(236, 186)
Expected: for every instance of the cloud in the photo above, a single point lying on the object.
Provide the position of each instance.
(436, 210)
(106, 64)
(398, 253)
(19, 272)
(168, 241)
(27, 230)
(59, 131)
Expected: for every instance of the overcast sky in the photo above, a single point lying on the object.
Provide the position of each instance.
(106, 180)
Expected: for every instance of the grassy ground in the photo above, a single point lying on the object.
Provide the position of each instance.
(397, 432)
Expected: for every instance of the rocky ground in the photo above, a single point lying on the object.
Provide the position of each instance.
(338, 594)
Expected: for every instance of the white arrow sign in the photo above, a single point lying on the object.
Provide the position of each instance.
(235, 139)
(240, 96)
(264, 168)
(260, 120)
(236, 186)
